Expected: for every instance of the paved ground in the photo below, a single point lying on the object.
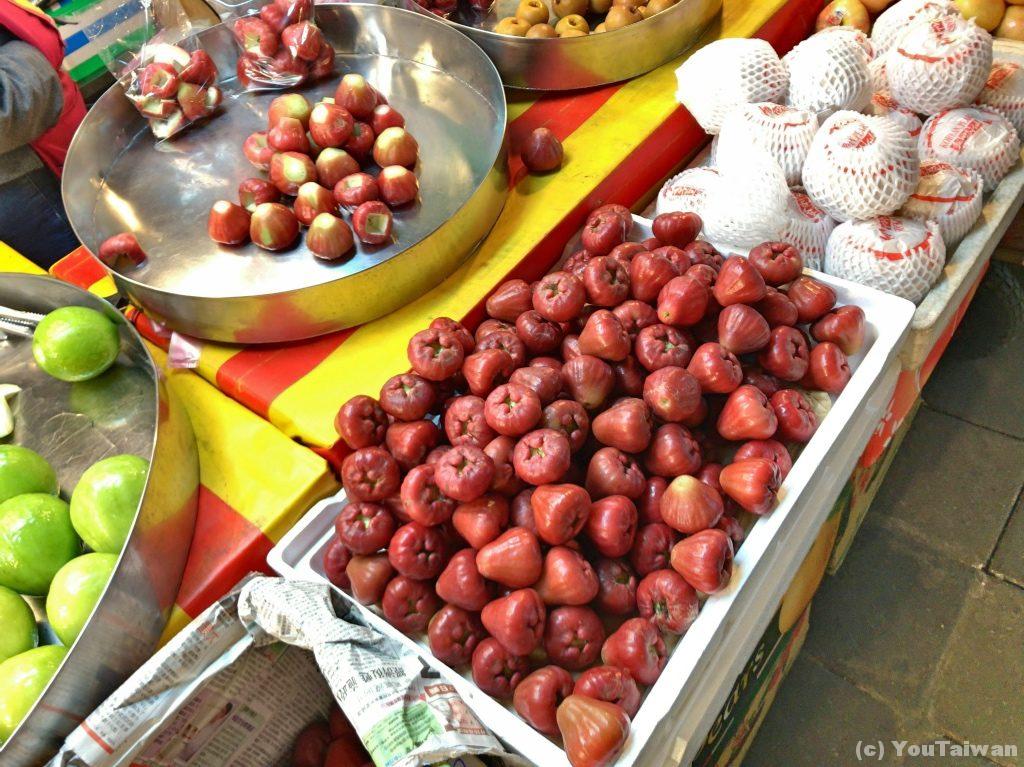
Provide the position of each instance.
(920, 635)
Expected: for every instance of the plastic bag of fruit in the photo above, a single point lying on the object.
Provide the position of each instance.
(169, 78)
(445, 8)
(280, 46)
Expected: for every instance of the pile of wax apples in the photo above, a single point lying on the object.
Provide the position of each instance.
(564, 485)
(331, 743)
(174, 88)
(320, 160)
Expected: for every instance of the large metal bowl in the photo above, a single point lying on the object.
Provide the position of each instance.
(128, 409)
(559, 64)
(118, 178)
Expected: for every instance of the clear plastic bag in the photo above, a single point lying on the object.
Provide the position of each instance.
(445, 8)
(280, 46)
(168, 77)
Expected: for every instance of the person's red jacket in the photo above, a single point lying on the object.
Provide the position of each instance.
(38, 30)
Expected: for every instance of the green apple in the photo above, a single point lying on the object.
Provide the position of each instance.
(18, 631)
(105, 500)
(22, 680)
(75, 343)
(24, 471)
(75, 590)
(36, 540)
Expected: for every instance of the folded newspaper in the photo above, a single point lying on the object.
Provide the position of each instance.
(245, 677)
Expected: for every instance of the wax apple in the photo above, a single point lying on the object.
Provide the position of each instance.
(690, 505)
(658, 346)
(273, 226)
(422, 497)
(370, 474)
(356, 95)
(312, 200)
(769, 449)
(568, 417)
(361, 422)
(398, 185)
(652, 548)
(332, 165)
(541, 456)
(200, 69)
(258, 151)
(797, 420)
(611, 525)
(538, 696)
(512, 409)
(364, 527)
(254, 191)
(482, 520)
(813, 299)
(288, 135)
(290, 170)
(678, 229)
(778, 262)
(606, 281)
(739, 283)
(604, 337)
(335, 562)
(496, 671)
(637, 647)
(453, 634)
(635, 316)
(409, 604)
(417, 551)
(786, 356)
(829, 370)
(673, 451)
(612, 472)
(159, 80)
(516, 621)
(303, 40)
(360, 142)
(464, 473)
(395, 146)
(457, 329)
(648, 274)
(682, 301)
(560, 512)
(485, 370)
(593, 731)
(611, 684)
(672, 393)
(513, 559)
(626, 425)
(616, 586)
(704, 559)
(542, 151)
(777, 309)
(509, 300)
(292, 105)
(386, 116)
(539, 335)
(461, 583)
(747, 415)
(742, 330)
(566, 578)
(573, 637)
(357, 188)
(464, 422)
(435, 354)
(605, 228)
(559, 296)
(330, 125)
(843, 326)
(372, 222)
(668, 601)
(509, 343)
(589, 380)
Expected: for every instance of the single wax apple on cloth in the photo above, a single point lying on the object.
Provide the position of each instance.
(727, 73)
(807, 229)
(939, 64)
(894, 22)
(748, 205)
(979, 139)
(403, 715)
(829, 71)
(687, 192)
(783, 132)
(1004, 92)
(949, 196)
(860, 166)
(898, 255)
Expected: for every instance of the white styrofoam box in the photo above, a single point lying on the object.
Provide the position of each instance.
(703, 665)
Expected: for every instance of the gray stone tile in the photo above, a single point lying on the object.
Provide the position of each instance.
(884, 619)
(978, 694)
(951, 486)
(1008, 560)
(980, 372)
(817, 719)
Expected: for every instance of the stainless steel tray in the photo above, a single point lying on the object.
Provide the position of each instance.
(560, 64)
(118, 178)
(127, 410)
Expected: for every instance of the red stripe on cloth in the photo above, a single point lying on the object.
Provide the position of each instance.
(255, 377)
(791, 23)
(225, 547)
(79, 267)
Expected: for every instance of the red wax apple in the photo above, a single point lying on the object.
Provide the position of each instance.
(678, 229)
(407, 397)
(566, 578)
(159, 80)
(361, 422)
(409, 442)
(458, 330)
(311, 201)
(668, 601)
(395, 146)
(648, 274)
(652, 549)
(593, 731)
(538, 696)
(335, 560)
(290, 170)
(573, 637)
(372, 222)
(258, 151)
(747, 415)
(200, 69)
(778, 262)
(332, 165)
(369, 575)
(288, 135)
(311, 744)
(275, 16)
(435, 354)
(386, 116)
(589, 380)
(752, 483)
(704, 559)
(512, 559)
(559, 512)
(508, 342)
(629, 377)
(786, 356)
(606, 281)
(254, 191)
(769, 449)
(568, 417)
(626, 425)
(357, 188)
(673, 451)
(486, 369)
(364, 527)
(516, 621)
(611, 525)
(409, 604)
(454, 634)
(559, 296)
(843, 326)
(739, 283)
(658, 346)
(417, 551)
(303, 40)
(464, 422)
(634, 316)
(649, 505)
(509, 300)
(464, 473)
(323, 66)
(482, 520)
(292, 105)
(813, 299)
(742, 330)
(422, 497)
(273, 226)
(765, 382)
(672, 393)
(682, 301)
(541, 456)
(612, 472)
(605, 228)
(829, 369)
(543, 381)
(360, 142)
(797, 420)
(356, 95)
(496, 671)
(611, 684)
(604, 337)
(542, 151)
(505, 481)
(637, 647)
(398, 185)
(228, 223)
(330, 125)
(777, 309)
(461, 584)
(370, 474)
(616, 586)
(511, 409)
(690, 505)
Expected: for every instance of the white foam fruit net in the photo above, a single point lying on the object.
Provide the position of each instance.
(828, 72)
(807, 229)
(882, 103)
(860, 166)
(1004, 92)
(748, 204)
(893, 23)
(898, 255)
(855, 35)
(949, 196)
(728, 73)
(879, 80)
(974, 138)
(783, 132)
(939, 64)
(687, 192)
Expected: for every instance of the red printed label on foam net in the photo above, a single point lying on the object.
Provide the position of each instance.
(999, 74)
(808, 208)
(963, 130)
(889, 227)
(858, 136)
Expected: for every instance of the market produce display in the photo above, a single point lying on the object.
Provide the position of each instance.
(885, 143)
(559, 490)
(569, 18)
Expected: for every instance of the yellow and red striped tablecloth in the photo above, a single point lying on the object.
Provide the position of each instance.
(620, 142)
